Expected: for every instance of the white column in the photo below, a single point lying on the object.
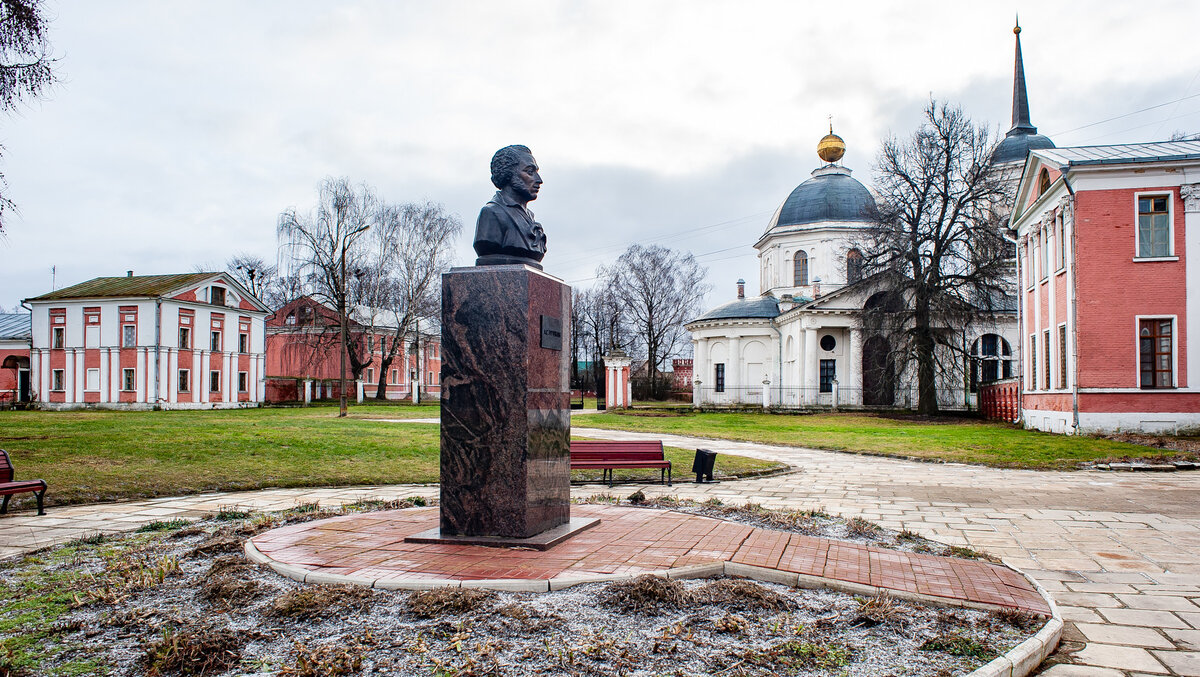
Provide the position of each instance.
(359, 390)
(854, 371)
(1191, 229)
(205, 360)
(69, 376)
(811, 375)
(699, 366)
(199, 378)
(229, 376)
(171, 382)
(308, 391)
(262, 378)
(142, 374)
(103, 375)
(114, 371)
(35, 375)
(733, 370)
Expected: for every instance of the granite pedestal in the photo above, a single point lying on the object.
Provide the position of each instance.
(506, 426)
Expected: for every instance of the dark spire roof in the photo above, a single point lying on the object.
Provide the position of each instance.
(1023, 136)
(1020, 116)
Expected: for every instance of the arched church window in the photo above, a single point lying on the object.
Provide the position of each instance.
(854, 266)
(991, 360)
(801, 270)
(1043, 181)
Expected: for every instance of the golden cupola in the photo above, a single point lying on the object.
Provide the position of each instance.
(831, 148)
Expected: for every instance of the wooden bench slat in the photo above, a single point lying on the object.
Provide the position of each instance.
(9, 488)
(607, 455)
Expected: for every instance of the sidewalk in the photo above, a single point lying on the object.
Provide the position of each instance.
(1120, 552)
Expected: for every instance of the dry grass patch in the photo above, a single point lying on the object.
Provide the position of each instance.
(742, 595)
(646, 594)
(441, 601)
(195, 651)
(228, 582)
(321, 601)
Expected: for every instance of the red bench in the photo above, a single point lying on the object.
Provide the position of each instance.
(8, 487)
(607, 455)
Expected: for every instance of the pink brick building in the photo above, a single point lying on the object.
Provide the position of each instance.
(192, 340)
(1108, 259)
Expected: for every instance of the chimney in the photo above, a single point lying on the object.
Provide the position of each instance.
(741, 289)
(129, 273)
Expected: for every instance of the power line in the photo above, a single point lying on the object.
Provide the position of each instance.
(1125, 115)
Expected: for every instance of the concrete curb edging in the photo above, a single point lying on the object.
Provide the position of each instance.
(1019, 661)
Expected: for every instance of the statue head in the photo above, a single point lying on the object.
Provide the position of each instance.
(515, 171)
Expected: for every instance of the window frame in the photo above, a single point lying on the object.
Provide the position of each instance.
(800, 257)
(214, 379)
(1171, 254)
(183, 380)
(215, 340)
(58, 380)
(185, 338)
(243, 381)
(1060, 242)
(1044, 255)
(1047, 369)
(243, 343)
(719, 377)
(1033, 346)
(825, 385)
(213, 292)
(1174, 347)
(128, 378)
(58, 337)
(128, 335)
(1063, 381)
(87, 377)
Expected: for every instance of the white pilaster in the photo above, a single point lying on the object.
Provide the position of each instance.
(1191, 229)
(854, 369)
(811, 375)
(142, 375)
(734, 375)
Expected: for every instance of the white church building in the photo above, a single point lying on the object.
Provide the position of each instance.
(801, 342)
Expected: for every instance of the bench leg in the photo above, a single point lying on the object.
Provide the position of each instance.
(4, 506)
(41, 495)
(610, 477)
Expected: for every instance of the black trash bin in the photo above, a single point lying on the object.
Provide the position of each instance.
(703, 465)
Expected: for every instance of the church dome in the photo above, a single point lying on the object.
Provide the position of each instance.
(762, 307)
(1016, 146)
(830, 195)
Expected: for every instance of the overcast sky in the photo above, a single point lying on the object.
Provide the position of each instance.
(179, 130)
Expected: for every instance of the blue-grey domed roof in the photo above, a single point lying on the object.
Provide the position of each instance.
(830, 195)
(1015, 147)
(765, 307)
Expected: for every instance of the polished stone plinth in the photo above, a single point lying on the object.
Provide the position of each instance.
(506, 424)
(543, 541)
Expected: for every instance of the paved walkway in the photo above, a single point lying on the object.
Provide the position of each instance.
(1120, 552)
(371, 549)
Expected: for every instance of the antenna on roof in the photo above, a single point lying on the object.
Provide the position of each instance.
(53, 277)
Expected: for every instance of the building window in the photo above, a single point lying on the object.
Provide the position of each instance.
(828, 374)
(1046, 356)
(214, 381)
(243, 343)
(1043, 181)
(215, 342)
(1033, 362)
(57, 380)
(854, 266)
(93, 380)
(185, 338)
(128, 379)
(719, 377)
(395, 376)
(828, 343)
(185, 384)
(370, 375)
(128, 336)
(1154, 226)
(216, 296)
(243, 381)
(290, 319)
(59, 337)
(1062, 356)
(801, 270)
(430, 381)
(1155, 354)
(991, 359)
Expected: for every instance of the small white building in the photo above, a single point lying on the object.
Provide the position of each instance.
(186, 341)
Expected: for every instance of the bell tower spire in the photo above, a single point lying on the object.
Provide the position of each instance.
(1020, 104)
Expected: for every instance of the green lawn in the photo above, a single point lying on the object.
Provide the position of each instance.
(90, 456)
(966, 440)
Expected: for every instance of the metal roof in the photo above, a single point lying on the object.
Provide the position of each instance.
(1128, 153)
(830, 195)
(762, 307)
(16, 326)
(139, 285)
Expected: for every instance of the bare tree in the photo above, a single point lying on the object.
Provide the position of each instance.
(410, 249)
(936, 244)
(597, 325)
(323, 244)
(658, 289)
(259, 278)
(26, 67)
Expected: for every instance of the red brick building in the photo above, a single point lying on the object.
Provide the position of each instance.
(1109, 267)
(303, 350)
(191, 340)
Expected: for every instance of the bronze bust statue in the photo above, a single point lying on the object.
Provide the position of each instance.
(506, 231)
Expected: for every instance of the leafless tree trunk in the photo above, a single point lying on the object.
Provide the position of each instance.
(658, 289)
(936, 244)
(324, 242)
